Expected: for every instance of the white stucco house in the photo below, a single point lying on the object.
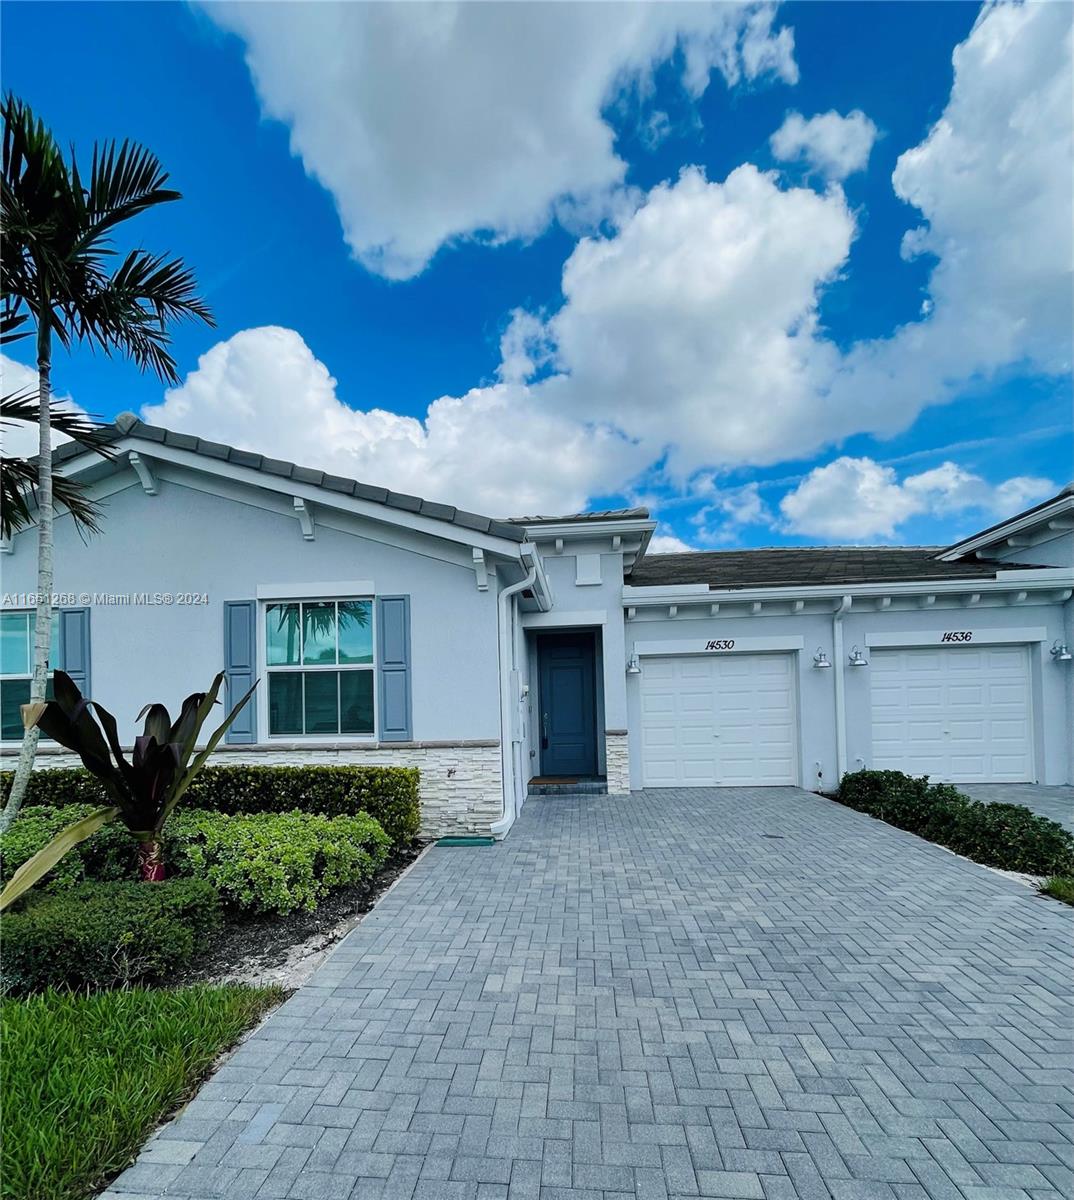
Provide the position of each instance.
(501, 656)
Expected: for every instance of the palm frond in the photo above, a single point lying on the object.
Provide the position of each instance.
(18, 497)
(129, 311)
(18, 476)
(123, 183)
(56, 252)
(80, 426)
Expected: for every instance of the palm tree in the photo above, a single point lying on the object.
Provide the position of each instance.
(63, 277)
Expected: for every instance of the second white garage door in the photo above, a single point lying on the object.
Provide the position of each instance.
(960, 715)
(718, 721)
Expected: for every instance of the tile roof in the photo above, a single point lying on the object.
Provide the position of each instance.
(128, 425)
(805, 566)
(609, 514)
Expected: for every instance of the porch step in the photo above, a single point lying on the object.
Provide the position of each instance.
(568, 787)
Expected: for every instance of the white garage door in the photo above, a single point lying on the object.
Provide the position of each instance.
(718, 721)
(957, 714)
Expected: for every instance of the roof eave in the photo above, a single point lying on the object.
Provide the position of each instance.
(500, 538)
(1024, 523)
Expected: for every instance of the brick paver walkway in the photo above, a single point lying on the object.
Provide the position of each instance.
(743, 994)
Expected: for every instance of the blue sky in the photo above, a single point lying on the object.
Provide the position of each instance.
(485, 210)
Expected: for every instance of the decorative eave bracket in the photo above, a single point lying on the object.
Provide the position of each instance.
(481, 570)
(304, 513)
(145, 473)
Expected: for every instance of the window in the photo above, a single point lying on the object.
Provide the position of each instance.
(16, 667)
(319, 655)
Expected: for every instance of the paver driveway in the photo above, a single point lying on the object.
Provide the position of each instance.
(726, 993)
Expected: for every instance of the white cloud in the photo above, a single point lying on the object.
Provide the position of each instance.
(854, 498)
(724, 512)
(992, 181)
(695, 326)
(18, 439)
(834, 145)
(689, 338)
(668, 543)
(433, 122)
(496, 450)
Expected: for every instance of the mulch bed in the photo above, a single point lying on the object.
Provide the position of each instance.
(255, 944)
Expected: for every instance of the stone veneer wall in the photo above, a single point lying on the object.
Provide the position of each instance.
(617, 762)
(461, 782)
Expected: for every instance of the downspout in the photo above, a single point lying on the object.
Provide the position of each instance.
(840, 688)
(505, 634)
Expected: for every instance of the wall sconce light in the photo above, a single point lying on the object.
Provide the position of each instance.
(857, 659)
(821, 661)
(1060, 653)
(633, 666)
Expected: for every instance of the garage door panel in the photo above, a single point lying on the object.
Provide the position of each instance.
(722, 721)
(958, 714)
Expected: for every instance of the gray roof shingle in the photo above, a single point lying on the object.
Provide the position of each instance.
(128, 425)
(804, 566)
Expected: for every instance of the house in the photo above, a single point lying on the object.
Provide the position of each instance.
(491, 653)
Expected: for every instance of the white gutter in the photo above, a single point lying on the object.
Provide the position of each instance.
(840, 688)
(508, 701)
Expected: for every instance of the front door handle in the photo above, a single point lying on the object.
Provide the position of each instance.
(544, 731)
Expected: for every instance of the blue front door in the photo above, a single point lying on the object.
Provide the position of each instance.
(567, 663)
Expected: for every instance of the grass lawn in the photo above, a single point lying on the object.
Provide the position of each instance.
(84, 1079)
(1059, 887)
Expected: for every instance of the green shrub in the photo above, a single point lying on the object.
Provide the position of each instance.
(110, 853)
(1008, 836)
(101, 935)
(390, 794)
(274, 862)
(86, 1079)
(1014, 838)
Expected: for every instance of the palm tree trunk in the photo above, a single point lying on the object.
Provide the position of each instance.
(43, 616)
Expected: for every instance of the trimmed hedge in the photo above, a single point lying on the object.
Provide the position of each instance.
(110, 854)
(1008, 836)
(274, 862)
(389, 794)
(260, 862)
(101, 935)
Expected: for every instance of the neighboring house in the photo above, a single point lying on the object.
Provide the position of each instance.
(387, 629)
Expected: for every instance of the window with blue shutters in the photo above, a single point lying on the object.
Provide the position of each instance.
(70, 652)
(320, 663)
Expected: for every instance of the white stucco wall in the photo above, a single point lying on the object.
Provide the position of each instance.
(187, 540)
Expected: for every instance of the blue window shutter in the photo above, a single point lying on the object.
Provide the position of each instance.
(240, 666)
(393, 669)
(74, 648)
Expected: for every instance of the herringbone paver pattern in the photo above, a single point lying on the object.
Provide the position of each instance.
(742, 994)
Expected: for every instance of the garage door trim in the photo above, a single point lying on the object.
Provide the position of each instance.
(717, 645)
(936, 637)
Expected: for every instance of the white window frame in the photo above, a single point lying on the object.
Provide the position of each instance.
(265, 668)
(54, 652)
